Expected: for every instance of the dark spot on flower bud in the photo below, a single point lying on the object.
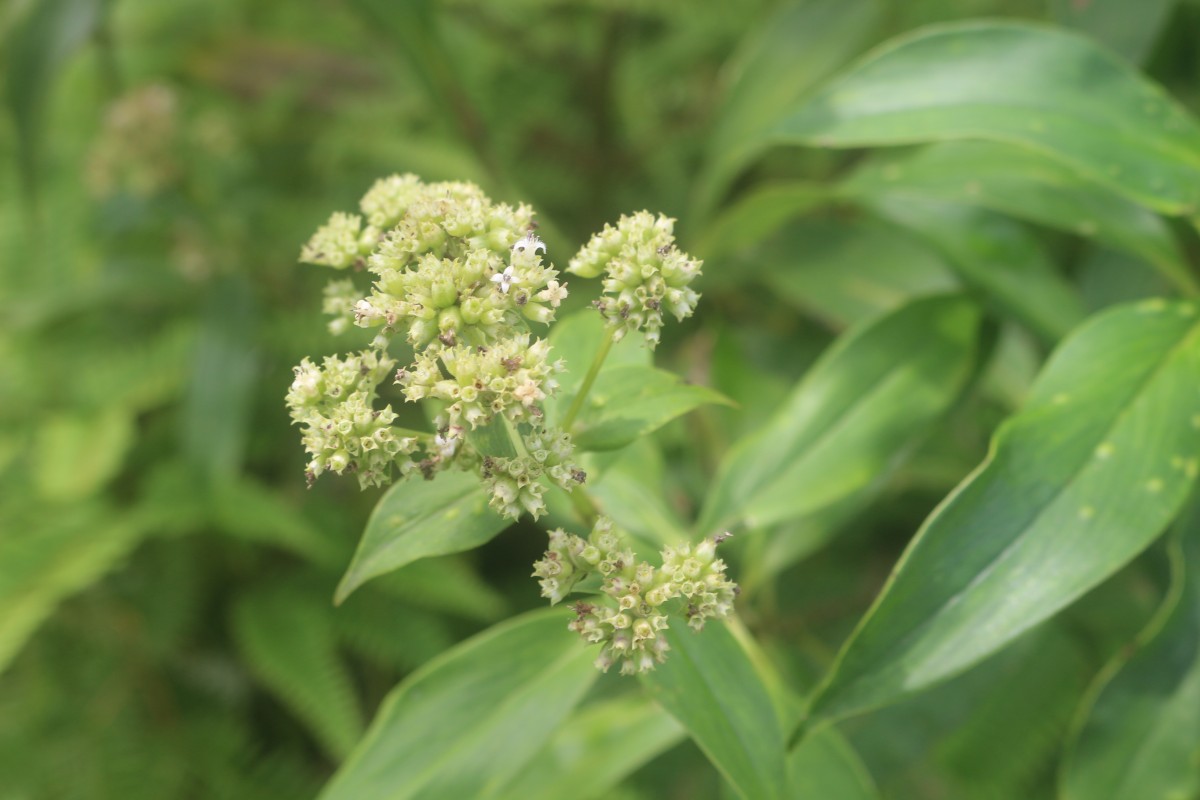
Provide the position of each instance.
(578, 475)
(583, 609)
(448, 338)
(511, 364)
(309, 478)
(522, 299)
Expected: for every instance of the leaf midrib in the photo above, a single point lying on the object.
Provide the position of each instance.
(717, 699)
(498, 711)
(838, 422)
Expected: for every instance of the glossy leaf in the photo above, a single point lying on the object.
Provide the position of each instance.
(595, 749)
(1029, 185)
(1140, 735)
(631, 402)
(795, 49)
(1090, 471)
(1042, 88)
(416, 519)
(468, 721)
(861, 406)
(825, 767)
(846, 272)
(995, 255)
(709, 684)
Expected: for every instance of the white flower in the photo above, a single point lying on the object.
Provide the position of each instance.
(504, 279)
(529, 241)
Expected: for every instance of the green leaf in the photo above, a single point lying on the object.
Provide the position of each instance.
(575, 339)
(1092, 469)
(845, 272)
(1042, 88)
(1029, 185)
(468, 721)
(76, 454)
(37, 49)
(216, 412)
(752, 218)
(48, 558)
(825, 767)
(286, 637)
(996, 255)
(710, 685)
(631, 402)
(595, 749)
(866, 402)
(632, 491)
(1139, 735)
(1128, 28)
(793, 51)
(416, 519)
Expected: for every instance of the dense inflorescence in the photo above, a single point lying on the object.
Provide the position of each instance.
(461, 279)
(644, 274)
(635, 599)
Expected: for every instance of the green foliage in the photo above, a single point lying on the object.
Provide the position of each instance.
(946, 332)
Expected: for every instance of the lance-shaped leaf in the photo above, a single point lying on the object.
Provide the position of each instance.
(710, 685)
(416, 519)
(995, 255)
(1028, 185)
(465, 723)
(1140, 735)
(864, 403)
(595, 749)
(825, 767)
(797, 48)
(630, 402)
(1092, 469)
(1042, 88)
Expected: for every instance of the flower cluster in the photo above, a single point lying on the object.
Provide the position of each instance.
(635, 599)
(644, 274)
(342, 430)
(462, 279)
(515, 482)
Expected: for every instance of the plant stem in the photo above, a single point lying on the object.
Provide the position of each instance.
(584, 505)
(589, 379)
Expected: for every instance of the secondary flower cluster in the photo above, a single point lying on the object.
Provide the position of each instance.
(644, 271)
(634, 601)
(342, 430)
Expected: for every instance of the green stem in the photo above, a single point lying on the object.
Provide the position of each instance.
(589, 379)
(584, 506)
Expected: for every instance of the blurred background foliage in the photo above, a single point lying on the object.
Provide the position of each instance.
(166, 624)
